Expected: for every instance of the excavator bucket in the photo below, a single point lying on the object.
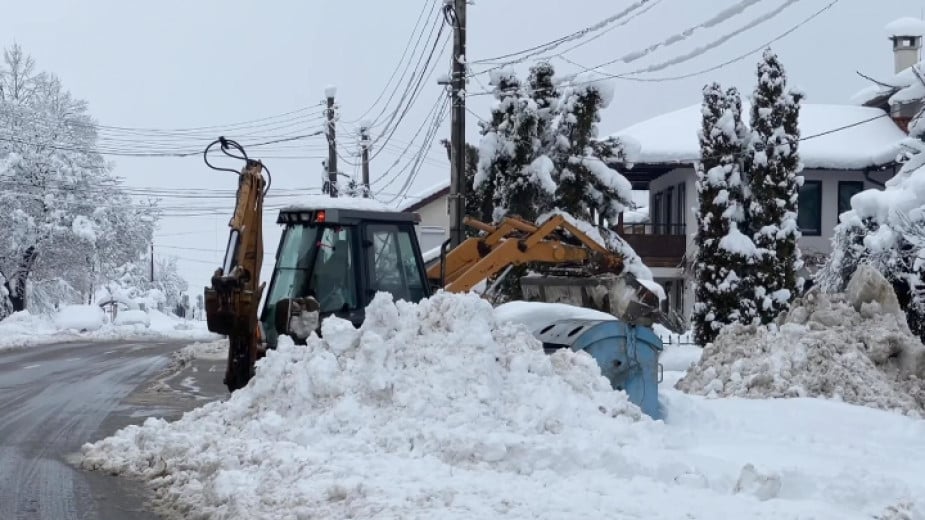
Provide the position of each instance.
(621, 295)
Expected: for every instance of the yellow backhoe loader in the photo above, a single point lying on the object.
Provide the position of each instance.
(333, 258)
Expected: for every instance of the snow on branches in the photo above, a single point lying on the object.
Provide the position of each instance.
(66, 223)
(540, 149)
(725, 256)
(773, 165)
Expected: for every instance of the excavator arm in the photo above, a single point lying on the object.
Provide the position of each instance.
(596, 275)
(515, 242)
(232, 300)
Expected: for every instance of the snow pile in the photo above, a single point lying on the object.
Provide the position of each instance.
(362, 422)
(80, 318)
(90, 323)
(132, 317)
(854, 347)
(536, 315)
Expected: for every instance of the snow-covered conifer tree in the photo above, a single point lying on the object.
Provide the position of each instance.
(587, 187)
(520, 178)
(774, 180)
(725, 255)
(545, 93)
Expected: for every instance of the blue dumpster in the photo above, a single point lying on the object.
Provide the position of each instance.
(627, 354)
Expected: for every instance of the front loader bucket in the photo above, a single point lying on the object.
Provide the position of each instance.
(619, 295)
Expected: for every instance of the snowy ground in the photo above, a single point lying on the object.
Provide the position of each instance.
(439, 411)
(85, 322)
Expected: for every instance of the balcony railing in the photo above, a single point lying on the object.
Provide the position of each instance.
(653, 229)
(659, 245)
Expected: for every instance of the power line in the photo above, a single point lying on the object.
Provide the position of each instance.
(524, 54)
(415, 93)
(704, 48)
(408, 68)
(726, 63)
(398, 65)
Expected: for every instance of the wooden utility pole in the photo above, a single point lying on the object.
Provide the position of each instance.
(364, 145)
(458, 125)
(331, 186)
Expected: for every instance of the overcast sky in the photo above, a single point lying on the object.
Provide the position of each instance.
(181, 64)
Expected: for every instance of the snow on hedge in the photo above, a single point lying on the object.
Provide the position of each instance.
(854, 347)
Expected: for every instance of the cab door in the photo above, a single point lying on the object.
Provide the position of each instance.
(394, 263)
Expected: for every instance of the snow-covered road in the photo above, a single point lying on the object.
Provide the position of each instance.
(55, 398)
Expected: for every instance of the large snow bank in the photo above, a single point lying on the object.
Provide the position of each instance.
(81, 318)
(672, 137)
(853, 346)
(438, 411)
(436, 389)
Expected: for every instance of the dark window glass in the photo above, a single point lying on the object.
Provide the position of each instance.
(846, 190)
(809, 218)
(394, 267)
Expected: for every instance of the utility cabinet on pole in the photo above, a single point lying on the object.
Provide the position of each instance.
(457, 14)
(331, 185)
(364, 145)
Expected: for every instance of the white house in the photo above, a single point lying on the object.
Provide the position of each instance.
(844, 149)
(431, 205)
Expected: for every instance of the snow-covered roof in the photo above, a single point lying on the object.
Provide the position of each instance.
(672, 138)
(325, 202)
(413, 202)
(906, 26)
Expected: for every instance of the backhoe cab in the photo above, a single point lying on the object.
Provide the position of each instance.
(331, 262)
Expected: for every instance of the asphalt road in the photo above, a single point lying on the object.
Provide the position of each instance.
(55, 398)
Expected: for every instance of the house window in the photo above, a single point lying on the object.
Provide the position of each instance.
(656, 213)
(682, 213)
(809, 217)
(846, 190)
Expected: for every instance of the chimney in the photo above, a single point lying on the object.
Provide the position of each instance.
(906, 35)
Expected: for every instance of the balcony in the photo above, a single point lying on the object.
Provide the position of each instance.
(659, 245)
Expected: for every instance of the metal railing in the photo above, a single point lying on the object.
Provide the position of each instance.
(653, 229)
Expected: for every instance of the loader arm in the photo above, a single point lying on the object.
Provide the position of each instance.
(232, 300)
(515, 242)
(600, 281)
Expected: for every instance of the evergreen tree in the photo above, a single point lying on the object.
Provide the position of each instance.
(774, 180)
(545, 94)
(725, 255)
(587, 188)
(519, 179)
